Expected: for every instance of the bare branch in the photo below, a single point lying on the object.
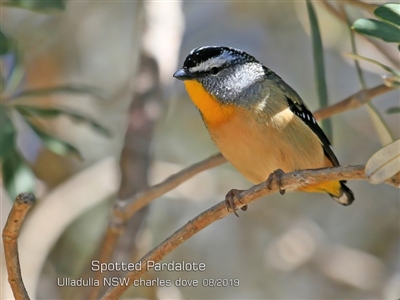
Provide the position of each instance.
(145, 197)
(286, 181)
(22, 204)
(352, 102)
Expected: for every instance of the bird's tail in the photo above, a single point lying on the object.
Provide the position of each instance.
(336, 189)
(345, 196)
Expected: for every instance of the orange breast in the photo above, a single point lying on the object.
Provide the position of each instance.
(213, 111)
(257, 146)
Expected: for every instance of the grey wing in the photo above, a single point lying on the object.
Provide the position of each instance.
(298, 107)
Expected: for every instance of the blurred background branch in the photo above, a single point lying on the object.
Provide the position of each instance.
(134, 164)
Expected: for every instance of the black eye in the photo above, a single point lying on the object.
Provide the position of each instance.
(214, 70)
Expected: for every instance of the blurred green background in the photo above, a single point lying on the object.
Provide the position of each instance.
(99, 75)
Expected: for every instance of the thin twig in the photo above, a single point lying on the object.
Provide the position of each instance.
(286, 181)
(352, 102)
(123, 210)
(144, 198)
(22, 204)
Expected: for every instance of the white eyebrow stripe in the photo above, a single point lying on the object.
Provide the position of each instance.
(213, 61)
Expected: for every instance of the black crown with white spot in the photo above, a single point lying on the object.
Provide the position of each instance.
(205, 53)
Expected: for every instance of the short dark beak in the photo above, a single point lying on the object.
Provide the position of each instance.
(183, 74)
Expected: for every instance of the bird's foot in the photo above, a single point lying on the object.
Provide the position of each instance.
(230, 201)
(277, 176)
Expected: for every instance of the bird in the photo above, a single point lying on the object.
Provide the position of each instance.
(259, 123)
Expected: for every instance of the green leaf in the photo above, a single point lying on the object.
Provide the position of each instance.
(7, 133)
(389, 12)
(393, 110)
(5, 44)
(35, 111)
(17, 175)
(39, 6)
(53, 143)
(377, 29)
(68, 89)
(319, 67)
(31, 111)
(384, 164)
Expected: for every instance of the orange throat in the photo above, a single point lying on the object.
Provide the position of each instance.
(212, 110)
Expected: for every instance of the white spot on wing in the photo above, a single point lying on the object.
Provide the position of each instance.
(343, 199)
(263, 103)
